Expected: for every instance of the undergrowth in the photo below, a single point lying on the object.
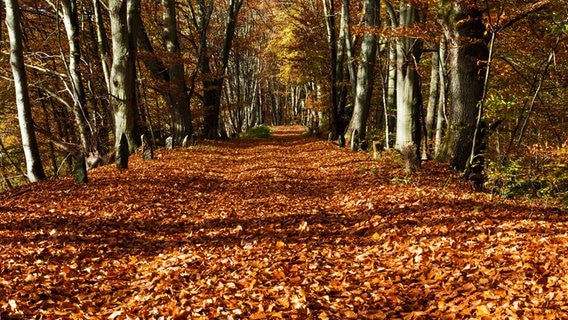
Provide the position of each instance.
(261, 131)
(541, 173)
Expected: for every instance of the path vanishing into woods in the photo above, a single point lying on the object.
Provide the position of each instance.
(289, 227)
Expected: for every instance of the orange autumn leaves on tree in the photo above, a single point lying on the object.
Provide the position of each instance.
(282, 228)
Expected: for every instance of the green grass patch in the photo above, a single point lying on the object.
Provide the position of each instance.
(261, 131)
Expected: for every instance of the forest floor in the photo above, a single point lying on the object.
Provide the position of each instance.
(289, 227)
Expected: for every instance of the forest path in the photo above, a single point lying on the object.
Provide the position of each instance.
(289, 227)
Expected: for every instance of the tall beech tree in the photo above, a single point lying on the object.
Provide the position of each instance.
(433, 99)
(249, 97)
(340, 48)
(329, 12)
(468, 53)
(408, 93)
(75, 86)
(363, 89)
(124, 18)
(441, 110)
(166, 68)
(34, 166)
(339, 41)
(177, 89)
(102, 42)
(213, 70)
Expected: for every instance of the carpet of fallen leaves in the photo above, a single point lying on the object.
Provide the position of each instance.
(283, 228)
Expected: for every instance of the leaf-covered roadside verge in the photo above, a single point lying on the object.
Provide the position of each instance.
(284, 228)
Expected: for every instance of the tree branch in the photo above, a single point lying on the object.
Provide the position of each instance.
(521, 15)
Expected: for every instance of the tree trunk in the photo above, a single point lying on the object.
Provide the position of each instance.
(441, 114)
(213, 79)
(70, 20)
(391, 77)
(103, 126)
(329, 13)
(102, 42)
(212, 90)
(365, 71)
(408, 96)
(31, 150)
(468, 55)
(432, 103)
(342, 66)
(337, 53)
(123, 73)
(177, 90)
(390, 102)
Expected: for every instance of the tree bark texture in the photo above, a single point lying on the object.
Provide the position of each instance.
(71, 22)
(432, 102)
(365, 70)
(102, 42)
(181, 116)
(213, 79)
(123, 73)
(441, 113)
(329, 13)
(408, 96)
(34, 166)
(468, 56)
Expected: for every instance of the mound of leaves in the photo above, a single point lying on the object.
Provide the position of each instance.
(283, 228)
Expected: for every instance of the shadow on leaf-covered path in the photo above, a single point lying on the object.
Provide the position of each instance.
(289, 227)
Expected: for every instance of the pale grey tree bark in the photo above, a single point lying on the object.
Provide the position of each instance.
(365, 72)
(34, 167)
(391, 76)
(441, 112)
(329, 14)
(408, 96)
(75, 86)
(390, 98)
(245, 92)
(431, 109)
(123, 18)
(103, 42)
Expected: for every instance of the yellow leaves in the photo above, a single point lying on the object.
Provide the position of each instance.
(259, 316)
(323, 316)
(376, 237)
(482, 312)
(284, 302)
(349, 314)
(246, 283)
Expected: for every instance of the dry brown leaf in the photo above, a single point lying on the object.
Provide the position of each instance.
(290, 227)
